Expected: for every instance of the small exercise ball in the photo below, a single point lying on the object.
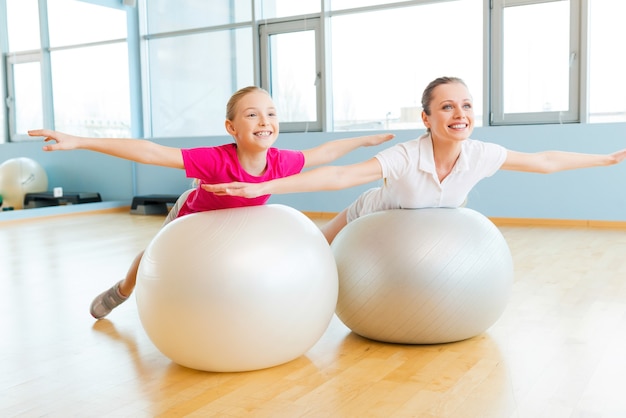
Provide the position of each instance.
(237, 289)
(422, 276)
(19, 176)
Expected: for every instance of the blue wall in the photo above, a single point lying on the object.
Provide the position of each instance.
(588, 194)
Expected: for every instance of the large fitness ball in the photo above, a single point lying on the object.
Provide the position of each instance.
(19, 176)
(237, 289)
(422, 276)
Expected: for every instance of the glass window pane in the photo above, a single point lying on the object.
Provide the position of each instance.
(169, 16)
(607, 65)
(190, 99)
(536, 62)
(91, 90)
(349, 4)
(27, 97)
(96, 23)
(282, 8)
(23, 25)
(293, 76)
(379, 75)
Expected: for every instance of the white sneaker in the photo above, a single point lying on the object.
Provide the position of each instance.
(106, 301)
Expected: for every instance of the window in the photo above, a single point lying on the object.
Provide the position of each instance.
(282, 8)
(330, 65)
(535, 72)
(607, 61)
(172, 16)
(198, 53)
(59, 80)
(193, 76)
(25, 93)
(382, 60)
(90, 76)
(351, 4)
(95, 23)
(292, 73)
(24, 68)
(23, 25)
(91, 90)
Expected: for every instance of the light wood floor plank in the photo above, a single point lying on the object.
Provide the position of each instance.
(557, 351)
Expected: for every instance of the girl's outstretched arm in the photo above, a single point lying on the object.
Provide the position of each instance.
(330, 151)
(318, 179)
(553, 161)
(139, 150)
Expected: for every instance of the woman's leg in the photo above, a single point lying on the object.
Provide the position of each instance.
(368, 202)
(332, 227)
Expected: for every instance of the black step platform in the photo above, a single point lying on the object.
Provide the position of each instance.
(152, 204)
(43, 199)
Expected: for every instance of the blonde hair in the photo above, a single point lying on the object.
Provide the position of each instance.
(231, 106)
(427, 95)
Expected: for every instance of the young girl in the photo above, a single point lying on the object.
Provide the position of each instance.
(438, 169)
(252, 121)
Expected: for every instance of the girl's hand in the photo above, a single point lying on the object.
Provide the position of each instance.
(56, 140)
(240, 189)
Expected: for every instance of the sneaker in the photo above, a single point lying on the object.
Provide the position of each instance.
(106, 301)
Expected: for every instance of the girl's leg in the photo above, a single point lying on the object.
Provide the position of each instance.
(111, 298)
(332, 227)
(127, 285)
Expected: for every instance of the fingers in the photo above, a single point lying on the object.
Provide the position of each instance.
(620, 155)
(40, 132)
(226, 189)
(47, 135)
(213, 188)
(379, 139)
(53, 143)
(217, 189)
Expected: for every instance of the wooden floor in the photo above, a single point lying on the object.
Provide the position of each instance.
(559, 350)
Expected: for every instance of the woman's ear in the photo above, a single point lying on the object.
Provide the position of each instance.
(425, 120)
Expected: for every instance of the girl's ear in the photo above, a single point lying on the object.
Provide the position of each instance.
(229, 127)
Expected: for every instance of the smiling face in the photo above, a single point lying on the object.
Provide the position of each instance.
(254, 124)
(450, 114)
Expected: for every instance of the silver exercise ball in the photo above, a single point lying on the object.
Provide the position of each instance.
(422, 276)
(237, 289)
(19, 176)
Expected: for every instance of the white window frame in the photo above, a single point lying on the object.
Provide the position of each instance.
(42, 55)
(268, 29)
(577, 83)
(23, 58)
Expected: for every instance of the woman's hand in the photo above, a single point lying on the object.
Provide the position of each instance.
(618, 157)
(248, 190)
(373, 140)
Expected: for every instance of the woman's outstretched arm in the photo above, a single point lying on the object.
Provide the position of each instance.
(318, 179)
(553, 161)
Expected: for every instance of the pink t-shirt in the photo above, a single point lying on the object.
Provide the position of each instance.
(221, 165)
